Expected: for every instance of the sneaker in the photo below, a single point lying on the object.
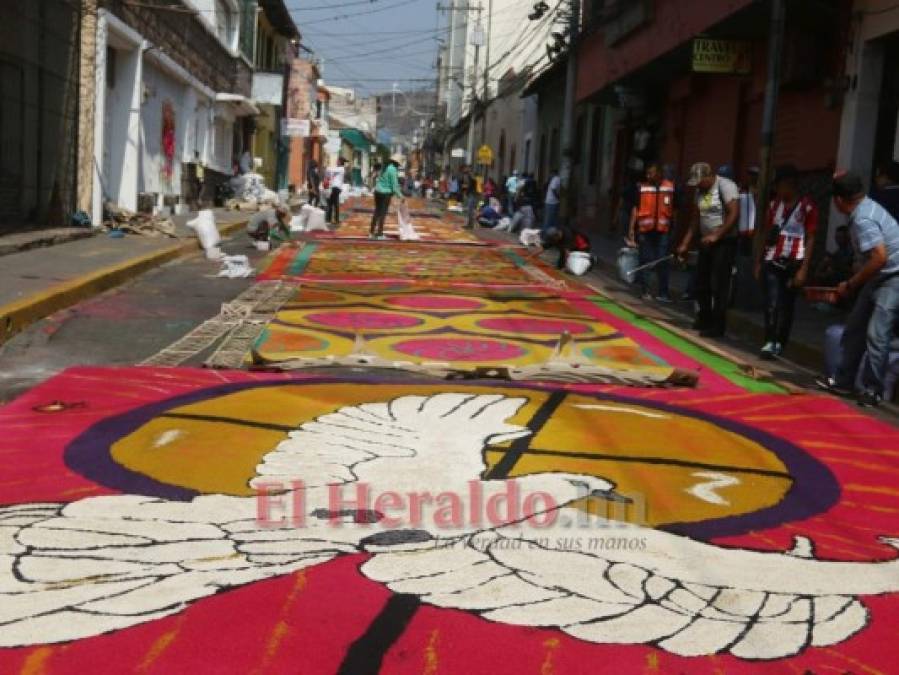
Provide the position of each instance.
(869, 399)
(768, 352)
(778, 349)
(646, 295)
(829, 384)
(664, 299)
(686, 297)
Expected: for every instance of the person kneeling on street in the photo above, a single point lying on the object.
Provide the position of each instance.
(873, 319)
(565, 240)
(789, 242)
(272, 225)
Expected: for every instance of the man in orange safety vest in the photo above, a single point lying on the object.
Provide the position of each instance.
(651, 220)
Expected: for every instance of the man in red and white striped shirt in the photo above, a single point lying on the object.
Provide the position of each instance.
(789, 242)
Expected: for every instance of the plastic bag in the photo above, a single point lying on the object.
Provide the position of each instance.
(207, 233)
(236, 267)
(578, 263)
(407, 231)
(315, 219)
(530, 237)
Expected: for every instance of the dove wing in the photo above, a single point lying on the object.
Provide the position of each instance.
(506, 577)
(361, 443)
(70, 571)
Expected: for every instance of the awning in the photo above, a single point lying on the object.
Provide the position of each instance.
(243, 107)
(357, 139)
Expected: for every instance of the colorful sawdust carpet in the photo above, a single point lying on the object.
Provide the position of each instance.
(462, 330)
(426, 264)
(592, 529)
(428, 228)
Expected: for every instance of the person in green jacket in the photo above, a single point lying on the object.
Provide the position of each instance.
(387, 185)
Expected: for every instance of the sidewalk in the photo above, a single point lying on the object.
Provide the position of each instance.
(37, 282)
(807, 341)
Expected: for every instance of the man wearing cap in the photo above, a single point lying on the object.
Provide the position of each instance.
(715, 223)
(789, 241)
(872, 321)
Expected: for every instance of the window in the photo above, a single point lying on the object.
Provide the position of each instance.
(224, 22)
(527, 156)
(512, 158)
(110, 67)
(501, 168)
(222, 149)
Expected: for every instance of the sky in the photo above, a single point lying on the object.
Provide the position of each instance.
(370, 44)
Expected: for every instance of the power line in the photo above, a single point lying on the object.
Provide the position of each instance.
(342, 17)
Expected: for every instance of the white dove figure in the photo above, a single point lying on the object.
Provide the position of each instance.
(69, 571)
(75, 570)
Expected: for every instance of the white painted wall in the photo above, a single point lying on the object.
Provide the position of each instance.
(128, 155)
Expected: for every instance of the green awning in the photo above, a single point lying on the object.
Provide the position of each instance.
(356, 138)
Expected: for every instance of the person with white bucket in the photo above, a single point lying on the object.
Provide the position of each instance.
(574, 249)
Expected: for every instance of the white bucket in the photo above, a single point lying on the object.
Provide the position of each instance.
(578, 263)
(628, 261)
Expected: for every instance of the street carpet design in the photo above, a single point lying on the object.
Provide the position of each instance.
(430, 226)
(462, 330)
(425, 264)
(571, 530)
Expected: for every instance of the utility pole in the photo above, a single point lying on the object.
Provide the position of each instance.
(769, 118)
(477, 39)
(568, 123)
(486, 74)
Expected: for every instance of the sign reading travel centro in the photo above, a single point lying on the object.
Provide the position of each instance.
(729, 57)
(485, 155)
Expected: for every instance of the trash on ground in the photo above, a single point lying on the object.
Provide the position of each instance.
(144, 224)
(236, 267)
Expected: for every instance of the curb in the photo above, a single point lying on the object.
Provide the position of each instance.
(18, 315)
(805, 355)
(41, 242)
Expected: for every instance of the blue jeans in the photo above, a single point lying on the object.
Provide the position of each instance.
(652, 246)
(550, 216)
(870, 327)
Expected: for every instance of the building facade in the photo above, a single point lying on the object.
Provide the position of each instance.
(277, 45)
(173, 107)
(648, 90)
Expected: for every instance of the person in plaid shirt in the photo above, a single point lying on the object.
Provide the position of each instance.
(789, 242)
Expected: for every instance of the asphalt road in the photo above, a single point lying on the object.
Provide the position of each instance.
(125, 325)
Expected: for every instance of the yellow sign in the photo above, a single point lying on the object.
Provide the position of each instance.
(727, 57)
(485, 155)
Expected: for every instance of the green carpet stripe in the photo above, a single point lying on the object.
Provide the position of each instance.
(727, 369)
(299, 263)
